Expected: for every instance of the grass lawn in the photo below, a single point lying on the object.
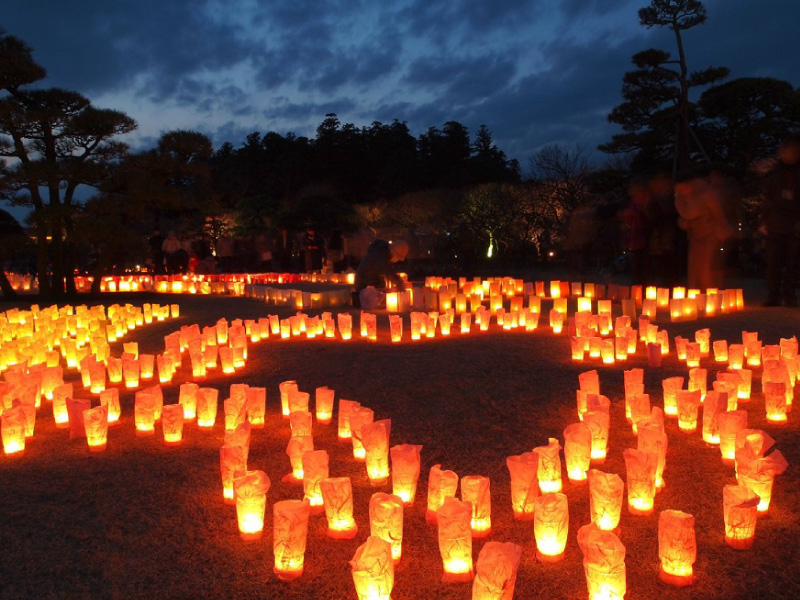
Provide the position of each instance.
(144, 521)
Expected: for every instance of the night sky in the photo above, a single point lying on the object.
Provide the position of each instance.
(535, 72)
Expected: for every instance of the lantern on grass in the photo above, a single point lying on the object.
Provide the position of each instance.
(730, 424)
(405, 471)
(172, 424)
(345, 322)
(60, 413)
(641, 468)
(550, 526)
(337, 500)
(671, 386)
(605, 499)
(441, 485)
(323, 403)
(375, 438)
(295, 449)
(524, 484)
(455, 540)
(188, 400)
(250, 494)
(226, 359)
(289, 534)
(740, 509)
(758, 473)
(496, 571)
(716, 403)
(735, 356)
(346, 408)
(207, 400)
(775, 401)
(589, 382)
(144, 413)
(603, 563)
(688, 410)
(286, 389)
(235, 412)
(598, 423)
(386, 521)
(373, 569)
(475, 489)
(360, 417)
(146, 366)
(577, 451)
(232, 459)
(549, 466)
(640, 409)
(13, 430)
(301, 423)
(720, 348)
(110, 399)
(255, 406)
(130, 372)
(653, 439)
(677, 547)
(315, 469)
(97, 378)
(556, 320)
(698, 381)
(396, 327)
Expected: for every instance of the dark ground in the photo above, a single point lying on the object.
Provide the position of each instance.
(144, 521)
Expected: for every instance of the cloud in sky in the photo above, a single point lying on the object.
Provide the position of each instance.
(534, 71)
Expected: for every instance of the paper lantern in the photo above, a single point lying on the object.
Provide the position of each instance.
(255, 406)
(730, 424)
(346, 408)
(188, 400)
(757, 473)
(639, 410)
(455, 540)
(549, 466)
(172, 424)
(603, 563)
(207, 401)
(110, 399)
(373, 570)
(13, 430)
(598, 423)
(441, 485)
(358, 418)
(641, 468)
(688, 409)
(146, 366)
(740, 508)
(289, 533)
(315, 469)
(775, 401)
(475, 489)
(735, 356)
(144, 413)
(524, 484)
(226, 360)
(232, 459)
(550, 526)
(720, 348)
(323, 403)
(677, 547)
(375, 438)
(671, 386)
(95, 423)
(715, 404)
(605, 499)
(130, 372)
(337, 499)
(295, 449)
(577, 451)
(405, 471)
(60, 413)
(75, 408)
(250, 494)
(301, 423)
(386, 521)
(298, 401)
(496, 571)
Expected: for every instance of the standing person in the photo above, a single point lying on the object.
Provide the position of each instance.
(156, 241)
(376, 269)
(780, 221)
(171, 247)
(637, 225)
(312, 249)
(702, 216)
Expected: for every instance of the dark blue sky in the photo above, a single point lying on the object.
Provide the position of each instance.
(535, 72)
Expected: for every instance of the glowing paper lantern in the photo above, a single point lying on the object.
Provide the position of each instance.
(323, 402)
(146, 366)
(549, 466)
(715, 404)
(598, 423)
(232, 459)
(496, 571)
(13, 430)
(671, 386)
(740, 509)
(605, 499)
(95, 421)
(455, 540)
(688, 409)
(524, 484)
(775, 401)
(475, 489)
(441, 485)
(130, 372)
(188, 400)
(677, 547)
(250, 494)
(110, 399)
(289, 534)
(639, 409)
(295, 449)
(301, 423)
(386, 521)
(207, 401)
(358, 418)
(641, 479)
(603, 563)
(60, 413)
(172, 424)
(373, 570)
(346, 408)
(375, 438)
(757, 473)
(337, 499)
(144, 413)
(255, 406)
(550, 526)
(730, 424)
(405, 471)
(315, 469)
(577, 451)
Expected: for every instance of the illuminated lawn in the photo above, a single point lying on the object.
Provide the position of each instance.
(144, 521)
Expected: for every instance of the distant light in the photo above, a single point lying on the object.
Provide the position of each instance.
(551, 254)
